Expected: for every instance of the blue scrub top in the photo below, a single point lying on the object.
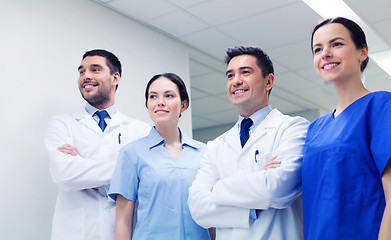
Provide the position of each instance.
(344, 158)
(147, 173)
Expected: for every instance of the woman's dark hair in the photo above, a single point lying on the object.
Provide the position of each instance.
(173, 78)
(356, 33)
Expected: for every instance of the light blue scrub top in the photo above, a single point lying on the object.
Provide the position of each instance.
(344, 158)
(147, 173)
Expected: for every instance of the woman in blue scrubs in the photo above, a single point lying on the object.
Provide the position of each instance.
(156, 171)
(346, 175)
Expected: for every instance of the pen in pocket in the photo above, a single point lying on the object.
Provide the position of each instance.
(256, 153)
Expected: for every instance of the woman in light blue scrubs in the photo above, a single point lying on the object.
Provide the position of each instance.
(156, 171)
(346, 169)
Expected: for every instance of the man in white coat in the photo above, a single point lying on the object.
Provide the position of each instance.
(83, 147)
(232, 190)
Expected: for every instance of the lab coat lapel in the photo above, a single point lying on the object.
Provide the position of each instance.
(232, 139)
(116, 120)
(86, 119)
(271, 121)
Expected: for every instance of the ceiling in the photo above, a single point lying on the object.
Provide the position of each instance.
(282, 28)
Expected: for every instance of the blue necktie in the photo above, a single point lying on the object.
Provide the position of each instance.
(244, 136)
(102, 115)
(244, 127)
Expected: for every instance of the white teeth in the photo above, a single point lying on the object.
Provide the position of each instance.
(88, 86)
(239, 91)
(329, 66)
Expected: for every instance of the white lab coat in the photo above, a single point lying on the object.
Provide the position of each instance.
(82, 212)
(231, 181)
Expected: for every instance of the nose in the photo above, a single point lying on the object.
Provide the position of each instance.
(87, 75)
(161, 102)
(237, 81)
(326, 53)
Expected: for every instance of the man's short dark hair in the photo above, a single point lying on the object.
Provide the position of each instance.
(263, 60)
(111, 60)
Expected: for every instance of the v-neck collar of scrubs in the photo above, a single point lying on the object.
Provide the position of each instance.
(349, 106)
(155, 139)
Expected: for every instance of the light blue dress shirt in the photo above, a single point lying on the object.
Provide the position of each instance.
(112, 110)
(147, 173)
(257, 118)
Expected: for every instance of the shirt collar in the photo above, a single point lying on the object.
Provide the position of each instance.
(257, 117)
(112, 110)
(156, 139)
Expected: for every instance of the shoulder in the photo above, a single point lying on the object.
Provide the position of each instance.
(192, 142)
(139, 143)
(135, 147)
(381, 97)
(198, 144)
(137, 127)
(68, 118)
(130, 120)
(276, 117)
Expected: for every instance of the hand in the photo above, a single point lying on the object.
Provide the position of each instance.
(69, 150)
(273, 163)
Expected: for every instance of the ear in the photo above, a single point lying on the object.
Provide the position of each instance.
(363, 53)
(116, 78)
(269, 81)
(184, 106)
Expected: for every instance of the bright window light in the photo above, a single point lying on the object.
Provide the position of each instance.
(383, 59)
(378, 49)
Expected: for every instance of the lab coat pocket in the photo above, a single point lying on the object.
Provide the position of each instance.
(68, 225)
(261, 159)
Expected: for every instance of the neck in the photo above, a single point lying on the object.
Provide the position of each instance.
(170, 134)
(246, 113)
(172, 139)
(103, 106)
(348, 92)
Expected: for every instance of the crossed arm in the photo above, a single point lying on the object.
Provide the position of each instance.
(68, 168)
(226, 202)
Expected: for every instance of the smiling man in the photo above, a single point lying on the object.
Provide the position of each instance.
(233, 190)
(83, 147)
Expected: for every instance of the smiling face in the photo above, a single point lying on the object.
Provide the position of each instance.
(164, 103)
(247, 89)
(336, 57)
(96, 84)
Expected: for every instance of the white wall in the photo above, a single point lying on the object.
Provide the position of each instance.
(41, 45)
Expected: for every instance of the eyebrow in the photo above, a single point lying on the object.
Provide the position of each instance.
(331, 41)
(241, 68)
(168, 91)
(92, 65)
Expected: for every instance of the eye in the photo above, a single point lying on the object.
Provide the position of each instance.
(152, 96)
(230, 75)
(96, 69)
(81, 72)
(337, 44)
(245, 72)
(170, 95)
(317, 50)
